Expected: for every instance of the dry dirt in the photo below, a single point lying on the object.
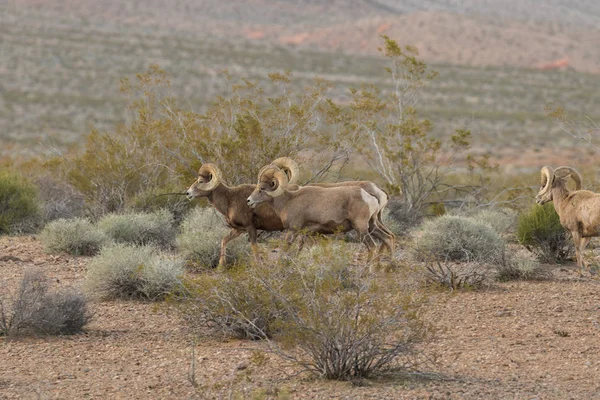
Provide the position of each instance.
(518, 340)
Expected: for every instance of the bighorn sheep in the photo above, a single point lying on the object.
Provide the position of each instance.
(578, 210)
(231, 202)
(319, 209)
(291, 169)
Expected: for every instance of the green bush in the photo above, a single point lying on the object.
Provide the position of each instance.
(199, 240)
(328, 316)
(454, 238)
(540, 231)
(141, 229)
(125, 271)
(19, 211)
(520, 265)
(34, 310)
(75, 236)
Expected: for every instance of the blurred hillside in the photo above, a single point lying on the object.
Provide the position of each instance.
(500, 61)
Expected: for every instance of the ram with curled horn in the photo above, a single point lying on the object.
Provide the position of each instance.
(231, 202)
(318, 209)
(291, 169)
(578, 210)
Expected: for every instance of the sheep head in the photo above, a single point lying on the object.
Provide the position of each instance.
(209, 177)
(553, 179)
(289, 166)
(271, 183)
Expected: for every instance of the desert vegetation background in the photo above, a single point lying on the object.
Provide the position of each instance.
(108, 285)
(62, 62)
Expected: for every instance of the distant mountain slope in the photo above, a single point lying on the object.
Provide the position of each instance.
(522, 33)
(448, 38)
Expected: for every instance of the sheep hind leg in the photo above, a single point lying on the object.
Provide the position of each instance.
(366, 238)
(380, 231)
(580, 244)
(583, 242)
(387, 241)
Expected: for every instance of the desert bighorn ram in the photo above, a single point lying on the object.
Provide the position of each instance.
(318, 209)
(231, 202)
(291, 169)
(578, 210)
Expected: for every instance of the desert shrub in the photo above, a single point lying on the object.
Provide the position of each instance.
(540, 231)
(162, 145)
(454, 238)
(155, 228)
(317, 310)
(393, 224)
(200, 236)
(19, 210)
(520, 265)
(502, 221)
(76, 236)
(233, 304)
(454, 276)
(35, 310)
(125, 271)
(59, 199)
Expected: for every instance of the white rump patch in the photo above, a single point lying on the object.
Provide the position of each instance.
(371, 201)
(381, 196)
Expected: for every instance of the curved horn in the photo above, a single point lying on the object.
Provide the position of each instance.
(214, 172)
(547, 176)
(276, 178)
(562, 172)
(289, 166)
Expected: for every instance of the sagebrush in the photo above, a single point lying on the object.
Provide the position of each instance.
(455, 238)
(155, 228)
(125, 271)
(76, 236)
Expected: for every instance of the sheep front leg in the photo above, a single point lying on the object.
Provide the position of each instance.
(233, 233)
(252, 235)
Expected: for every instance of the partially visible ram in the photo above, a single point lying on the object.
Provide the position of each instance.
(319, 209)
(578, 210)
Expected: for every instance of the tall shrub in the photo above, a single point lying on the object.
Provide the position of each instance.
(540, 231)
(19, 209)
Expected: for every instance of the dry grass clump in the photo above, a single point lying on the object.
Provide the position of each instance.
(76, 236)
(157, 228)
(125, 271)
(35, 310)
(199, 240)
(521, 265)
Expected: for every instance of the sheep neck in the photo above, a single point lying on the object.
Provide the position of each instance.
(219, 198)
(559, 195)
(280, 201)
